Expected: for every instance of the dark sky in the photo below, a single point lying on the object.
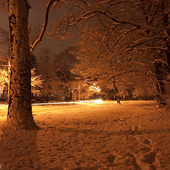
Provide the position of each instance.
(36, 19)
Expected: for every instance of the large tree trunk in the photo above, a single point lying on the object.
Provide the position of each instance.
(19, 109)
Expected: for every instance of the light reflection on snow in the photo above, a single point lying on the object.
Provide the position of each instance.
(60, 103)
(98, 101)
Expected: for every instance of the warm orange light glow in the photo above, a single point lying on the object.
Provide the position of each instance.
(94, 88)
(98, 101)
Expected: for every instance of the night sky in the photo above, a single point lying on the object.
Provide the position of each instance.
(36, 19)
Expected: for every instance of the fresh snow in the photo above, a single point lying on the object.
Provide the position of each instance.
(132, 136)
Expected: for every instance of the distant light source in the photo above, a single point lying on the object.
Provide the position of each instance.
(94, 88)
(98, 101)
(97, 88)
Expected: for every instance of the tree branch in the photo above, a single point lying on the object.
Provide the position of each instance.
(44, 26)
(109, 17)
(116, 20)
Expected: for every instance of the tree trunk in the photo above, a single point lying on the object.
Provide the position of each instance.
(116, 90)
(160, 87)
(162, 71)
(19, 109)
(168, 58)
(162, 8)
(166, 21)
(71, 95)
(47, 99)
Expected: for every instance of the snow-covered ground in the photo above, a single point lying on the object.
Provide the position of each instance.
(131, 136)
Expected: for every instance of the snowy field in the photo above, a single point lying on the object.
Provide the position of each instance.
(105, 136)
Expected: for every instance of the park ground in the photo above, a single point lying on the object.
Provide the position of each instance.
(107, 136)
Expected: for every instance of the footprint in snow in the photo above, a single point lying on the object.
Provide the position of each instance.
(111, 158)
(134, 130)
(149, 158)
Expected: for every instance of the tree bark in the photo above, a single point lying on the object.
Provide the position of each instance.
(160, 87)
(19, 109)
(116, 90)
(161, 70)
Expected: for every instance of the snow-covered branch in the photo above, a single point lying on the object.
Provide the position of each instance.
(33, 44)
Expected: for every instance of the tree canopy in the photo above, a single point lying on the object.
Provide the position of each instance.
(120, 37)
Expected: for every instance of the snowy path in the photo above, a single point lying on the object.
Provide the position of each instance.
(131, 136)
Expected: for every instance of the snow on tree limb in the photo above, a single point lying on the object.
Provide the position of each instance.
(115, 32)
(33, 44)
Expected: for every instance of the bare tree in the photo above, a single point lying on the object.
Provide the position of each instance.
(52, 84)
(64, 62)
(20, 109)
(157, 20)
(118, 32)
